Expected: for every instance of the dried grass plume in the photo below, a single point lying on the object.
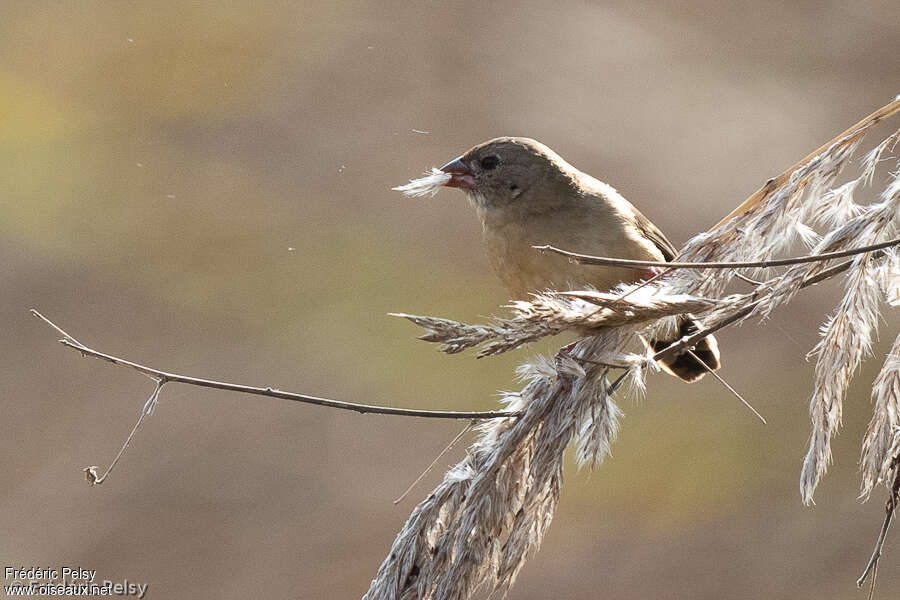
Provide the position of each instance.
(472, 534)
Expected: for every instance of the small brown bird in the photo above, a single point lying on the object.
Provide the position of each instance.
(526, 195)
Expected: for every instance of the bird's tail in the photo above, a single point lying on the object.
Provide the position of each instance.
(683, 365)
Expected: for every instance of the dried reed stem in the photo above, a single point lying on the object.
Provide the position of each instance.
(474, 531)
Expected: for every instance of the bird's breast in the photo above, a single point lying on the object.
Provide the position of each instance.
(524, 270)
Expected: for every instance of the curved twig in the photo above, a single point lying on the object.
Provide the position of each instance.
(71, 342)
(587, 259)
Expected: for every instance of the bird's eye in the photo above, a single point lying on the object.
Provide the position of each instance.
(489, 162)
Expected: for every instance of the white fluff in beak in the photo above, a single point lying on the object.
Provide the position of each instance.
(431, 183)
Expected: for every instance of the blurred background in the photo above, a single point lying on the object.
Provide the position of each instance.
(205, 188)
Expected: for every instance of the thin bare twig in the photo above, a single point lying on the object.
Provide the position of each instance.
(728, 386)
(587, 259)
(611, 388)
(749, 280)
(71, 342)
(91, 472)
(889, 508)
(427, 470)
(642, 284)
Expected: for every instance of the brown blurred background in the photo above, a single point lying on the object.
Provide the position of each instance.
(206, 188)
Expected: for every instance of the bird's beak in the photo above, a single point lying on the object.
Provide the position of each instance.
(461, 176)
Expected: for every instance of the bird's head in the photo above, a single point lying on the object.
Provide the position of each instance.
(506, 171)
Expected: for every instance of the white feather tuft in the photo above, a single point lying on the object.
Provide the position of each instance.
(431, 183)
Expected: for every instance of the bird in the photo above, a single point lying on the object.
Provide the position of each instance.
(527, 195)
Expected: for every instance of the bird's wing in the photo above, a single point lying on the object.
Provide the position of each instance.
(608, 196)
(652, 233)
